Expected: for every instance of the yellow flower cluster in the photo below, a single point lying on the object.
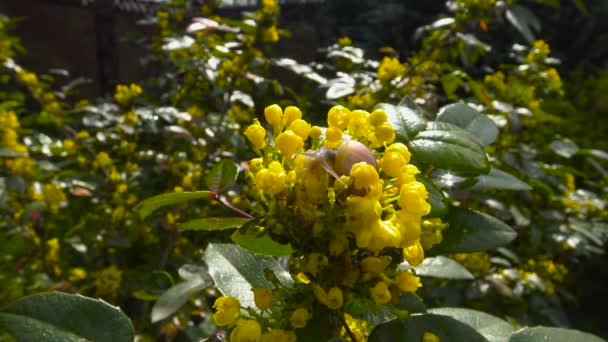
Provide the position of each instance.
(477, 263)
(107, 282)
(390, 68)
(9, 138)
(344, 196)
(126, 94)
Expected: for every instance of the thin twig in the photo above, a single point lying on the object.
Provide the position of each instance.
(349, 332)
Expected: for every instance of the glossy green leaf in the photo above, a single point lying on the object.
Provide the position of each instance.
(465, 117)
(565, 147)
(213, 223)
(236, 271)
(492, 328)
(446, 328)
(471, 231)
(5, 152)
(438, 202)
(222, 175)
(524, 21)
(501, 180)
(406, 121)
(543, 334)
(62, 317)
(339, 89)
(175, 297)
(260, 243)
(151, 204)
(441, 267)
(451, 148)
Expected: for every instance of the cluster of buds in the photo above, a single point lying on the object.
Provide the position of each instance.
(346, 199)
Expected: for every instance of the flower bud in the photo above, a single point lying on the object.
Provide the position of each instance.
(291, 114)
(301, 128)
(262, 298)
(334, 298)
(414, 254)
(246, 330)
(228, 311)
(407, 282)
(393, 164)
(288, 142)
(365, 176)
(316, 132)
(380, 293)
(274, 115)
(385, 133)
(256, 135)
(338, 117)
(378, 117)
(299, 318)
(333, 136)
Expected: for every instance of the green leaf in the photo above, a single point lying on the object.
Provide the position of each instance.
(222, 175)
(340, 89)
(236, 271)
(213, 223)
(492, 328)
(543, 334)
(446, 328)
(61, 317)
(151, 204)
(260, 243)
(6, 153)
(471, 231)
(565, 147)
(524, 21)
(581, 6)
(406, 121)
(451, 148)
(438, 202)
(440, 267)
(175, 297)
(464, 116)
(498, 179)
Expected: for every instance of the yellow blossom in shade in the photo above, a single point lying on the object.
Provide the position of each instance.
(402, 150)
(363, 212)
(412, 199)
(389, 68)
(430, 337)
(301, 128)
(228, 311)
(406, 281)
(262, 298)
(299, 318)
(374, 265)
(23, 167)
(365, 176)
(384, 133)
(334, 298)
(246, 330)
(409, 227)
(319, 293)
(345, 41)
(333, 137)
(270, 35)
(380, 293)
(414, 254)
(291, 114)
(274, 115)
(77, 274)
(316, 132)
(338, 117)
(107, 282)
(278, 335)
(256, 135)
(338, 244)
(378, 117)
(102, 159)
(288, 142)
(358, 123)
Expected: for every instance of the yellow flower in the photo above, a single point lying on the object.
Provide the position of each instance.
(271, 180)
(380, 293)
(413, 199)
(334, 298)
(337, 244)
(408, 176)
(274, 115)
(358, 123)
(384, 234)
(246, 330)
(365, 176)
(389, 68)
(256, 135)
(270, 35)
(333, 136)
(288, 142)
(301, 128)
(291, 114)
(107, 282)
(228, 311)
(299, 318)
(384, 133)
(374, 265)
(345, 41)
(102, 159)
(414, 254)
(77, 274)
(430, 337)
(262, 298)
(338, 117)
(278, 335)
(407, 282)
(316, 132)
(393, 164)
(378, 117)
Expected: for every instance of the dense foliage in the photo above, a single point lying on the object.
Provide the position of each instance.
(440, 193)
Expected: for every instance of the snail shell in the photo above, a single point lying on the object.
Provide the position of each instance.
(338, 162)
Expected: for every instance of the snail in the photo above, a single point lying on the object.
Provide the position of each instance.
(338, 162)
